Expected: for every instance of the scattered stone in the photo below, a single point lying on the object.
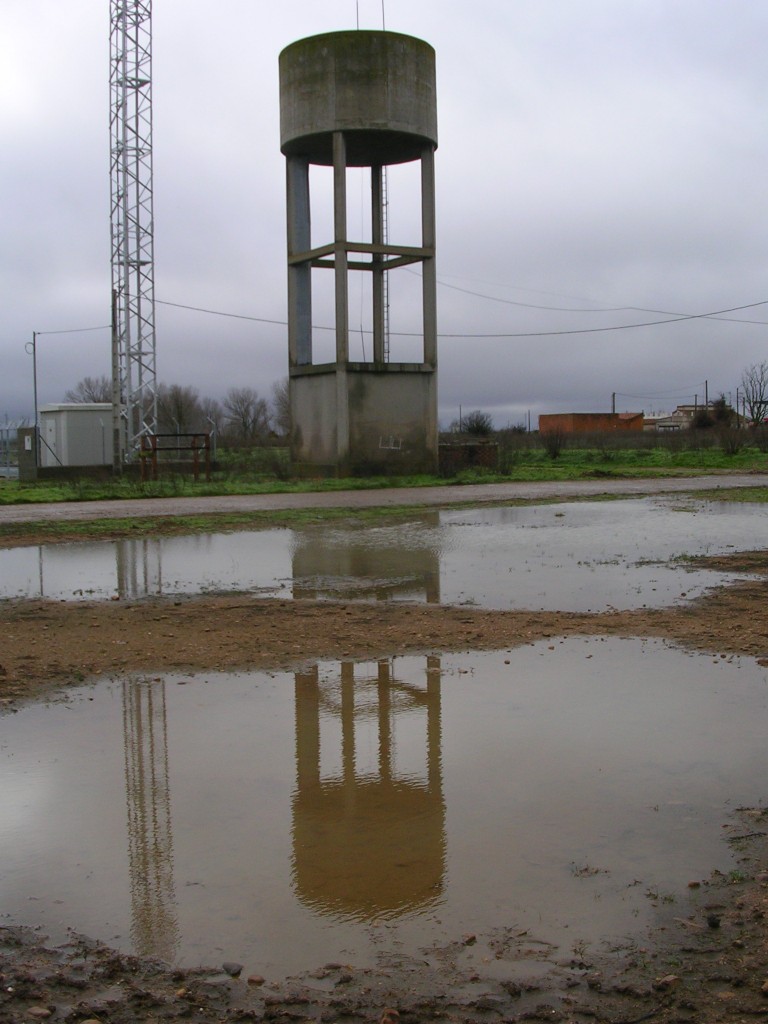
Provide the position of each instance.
(255, 979)
(232, 968)
(666, 983)
(39, 1012)
(713, 920)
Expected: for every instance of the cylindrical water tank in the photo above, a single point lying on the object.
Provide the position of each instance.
(376, 87)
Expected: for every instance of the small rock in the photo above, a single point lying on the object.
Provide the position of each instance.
(39, 1012)
(469, 940)
(666, 983)
(713, 920)
(180, 993)
(694, 885)
(255, 979)
(231, 968)
(764, 988)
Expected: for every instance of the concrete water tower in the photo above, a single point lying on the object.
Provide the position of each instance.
(359, 99)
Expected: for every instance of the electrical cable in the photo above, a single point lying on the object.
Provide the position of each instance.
(498, 335)
(572, 309)
(76, 330)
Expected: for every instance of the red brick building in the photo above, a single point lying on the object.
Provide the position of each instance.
(590, 422)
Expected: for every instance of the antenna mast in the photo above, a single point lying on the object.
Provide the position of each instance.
(134, 380)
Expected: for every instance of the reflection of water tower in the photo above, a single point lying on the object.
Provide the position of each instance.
(367, 842)
(359, 99)
(369, 564)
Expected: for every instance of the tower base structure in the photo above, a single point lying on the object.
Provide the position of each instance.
(363, 419)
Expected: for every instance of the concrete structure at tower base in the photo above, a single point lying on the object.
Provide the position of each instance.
(364, 419)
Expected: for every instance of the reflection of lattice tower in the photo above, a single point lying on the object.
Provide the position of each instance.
(134, 380)
(138, 568)
(154, 927)
(359, 99)
(368, 842)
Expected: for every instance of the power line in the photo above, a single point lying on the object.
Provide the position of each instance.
(234, 316)
(517, 334)
(619, 327)
(76, 330)
(685, 390)
(578, 309)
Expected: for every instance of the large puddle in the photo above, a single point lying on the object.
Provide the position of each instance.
(544, 798)
(588, 556)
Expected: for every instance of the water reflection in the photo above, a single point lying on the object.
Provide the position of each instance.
(139, 568)
(586, 557)
(352, 810)
(375, 564)
(154, 924)
(368, 838)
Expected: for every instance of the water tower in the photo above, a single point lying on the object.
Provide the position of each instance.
(359, 99)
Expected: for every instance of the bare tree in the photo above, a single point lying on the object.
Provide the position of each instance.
(247, 415)
(212, 412)
(754, 384)
(91, 389)
(281, 407)
(178, 409)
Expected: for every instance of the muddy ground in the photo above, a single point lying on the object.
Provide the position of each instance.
(707, 963)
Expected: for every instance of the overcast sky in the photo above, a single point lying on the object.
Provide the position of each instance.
(600, 164)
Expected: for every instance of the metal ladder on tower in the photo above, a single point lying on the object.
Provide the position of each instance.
(385, 275)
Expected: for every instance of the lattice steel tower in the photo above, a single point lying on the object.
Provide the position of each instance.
(134, 380)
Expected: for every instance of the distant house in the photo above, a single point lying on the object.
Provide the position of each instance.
(681, 419)
(590, 422)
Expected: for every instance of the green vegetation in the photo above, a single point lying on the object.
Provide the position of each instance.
(750, 494)
(521, 458)
(218, 522)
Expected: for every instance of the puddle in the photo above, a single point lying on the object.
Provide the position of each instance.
(547, 798)
(589, 556)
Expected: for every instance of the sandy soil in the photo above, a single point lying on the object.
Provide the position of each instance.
(707, 963)
(47, 642)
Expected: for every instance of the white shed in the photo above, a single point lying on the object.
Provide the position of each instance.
(76, 434)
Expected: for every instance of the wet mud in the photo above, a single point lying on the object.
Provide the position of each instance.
(47, 642)
(701, 964)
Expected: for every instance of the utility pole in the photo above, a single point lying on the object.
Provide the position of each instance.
(31, 348)
(134, 383)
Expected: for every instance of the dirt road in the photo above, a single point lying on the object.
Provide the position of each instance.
(384, 497)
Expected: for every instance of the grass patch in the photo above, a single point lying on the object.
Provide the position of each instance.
(43, 531)
(744, 494)
(523, 465)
